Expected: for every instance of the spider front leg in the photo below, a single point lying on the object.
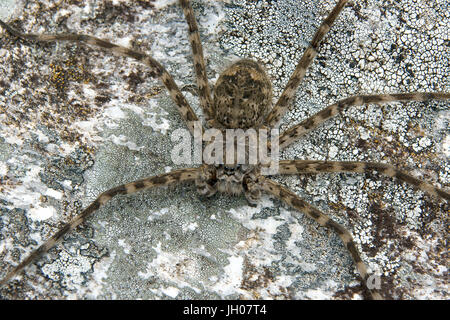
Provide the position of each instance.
(294, 201)
(297, 131)
(174, 177)
(286, 97)
(312, 166)
(199, 61)
(158, 70)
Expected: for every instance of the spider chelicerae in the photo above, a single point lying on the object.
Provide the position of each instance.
(253, 111)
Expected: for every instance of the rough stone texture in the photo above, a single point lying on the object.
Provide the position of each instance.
(76, 121)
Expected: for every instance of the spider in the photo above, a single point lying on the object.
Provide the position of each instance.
(226, 107)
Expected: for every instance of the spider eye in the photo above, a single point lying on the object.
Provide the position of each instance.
(246, 94)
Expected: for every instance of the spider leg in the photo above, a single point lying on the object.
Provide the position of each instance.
(295, 132)
(313, 166)
(166, 179)
(158, 70)
(286, 97)
(294, 201)
(199, 61)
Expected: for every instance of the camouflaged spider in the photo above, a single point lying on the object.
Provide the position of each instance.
(242, 99)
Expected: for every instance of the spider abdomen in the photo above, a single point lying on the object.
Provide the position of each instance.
(242, 95)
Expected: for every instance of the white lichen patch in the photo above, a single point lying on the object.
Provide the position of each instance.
(3, 168)
(122, 140)
(42, 213)
(230, 282)
(126, 247)
(160, 4)
(95, 287)
(171, 292)
(70, 266)
(175, 268)
(190, 227)
(28, 195)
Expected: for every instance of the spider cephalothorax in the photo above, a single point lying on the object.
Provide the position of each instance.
(233, 180)
(242, 100)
